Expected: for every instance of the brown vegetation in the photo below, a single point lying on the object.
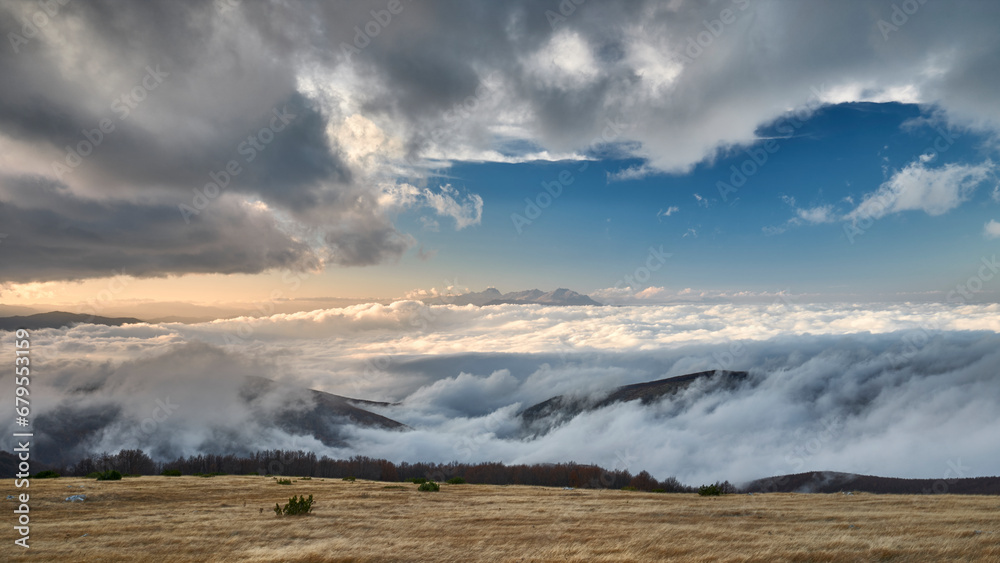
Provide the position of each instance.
(173, 519)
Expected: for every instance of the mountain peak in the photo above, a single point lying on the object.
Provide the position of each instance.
(493, 296)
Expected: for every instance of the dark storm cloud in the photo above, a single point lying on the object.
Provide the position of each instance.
(180, 92)
(70, 238)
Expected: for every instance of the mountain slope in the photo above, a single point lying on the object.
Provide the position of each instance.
(323, 420)
(561, 408)
(88, 417)
(561, 296)
(492, 296)
(60, 319)
(834, 482)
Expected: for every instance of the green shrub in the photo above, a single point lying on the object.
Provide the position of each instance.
(348, 478)
(171, 472)
(93, 475)
(47, 474)
(658, 491)
(709, 490)
(417, 480)
(456, 481)
(110, 476)
(430, 486)
(296, 506)
(305, 478)
(284, 481)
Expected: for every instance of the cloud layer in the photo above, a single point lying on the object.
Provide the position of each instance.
(896, 390)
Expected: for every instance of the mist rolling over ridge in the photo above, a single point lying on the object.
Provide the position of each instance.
(851, 389)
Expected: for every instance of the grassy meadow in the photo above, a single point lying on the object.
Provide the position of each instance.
(231, 519)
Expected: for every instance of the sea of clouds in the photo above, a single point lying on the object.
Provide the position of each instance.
(895, 390)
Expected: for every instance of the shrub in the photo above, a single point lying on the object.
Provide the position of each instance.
(47, 474)
(296, 506)
(456, 481)
(658, 491)
(305, 478)
(709, 490)
(93, 475)
(348, 478)
(131, 475)
(284, 481)
(171, 472)
(110, 476)
(430, 486)
(417, 480)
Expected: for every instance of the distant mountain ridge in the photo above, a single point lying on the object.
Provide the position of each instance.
(60, 319)
(834, 482)
(492, 296)
(296, 410)
(562, 408)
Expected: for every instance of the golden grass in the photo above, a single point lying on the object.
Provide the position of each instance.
(173, 519)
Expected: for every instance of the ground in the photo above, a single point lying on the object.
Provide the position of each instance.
(173, 519)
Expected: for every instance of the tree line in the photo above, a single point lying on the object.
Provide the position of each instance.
(303, 464)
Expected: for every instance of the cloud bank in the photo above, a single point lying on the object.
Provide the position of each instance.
(896, 390)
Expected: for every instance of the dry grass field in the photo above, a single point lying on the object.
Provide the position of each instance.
(172, 519)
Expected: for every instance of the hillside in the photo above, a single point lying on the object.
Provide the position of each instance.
(60, 319)
(544, 415)
(65, 434)
(324, 420)
(492, 296)
(834, 482)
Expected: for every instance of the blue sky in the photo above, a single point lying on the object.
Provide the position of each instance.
(600, 228)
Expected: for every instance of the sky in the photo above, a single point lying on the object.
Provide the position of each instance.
(640, 152)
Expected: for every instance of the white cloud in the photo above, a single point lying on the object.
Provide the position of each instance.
(465, 209)
(864, 380)
(631, 173)
(992, 229)
(668, 212)
(564, 62)
(465, 213)
(934, 191)
(816, 215)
